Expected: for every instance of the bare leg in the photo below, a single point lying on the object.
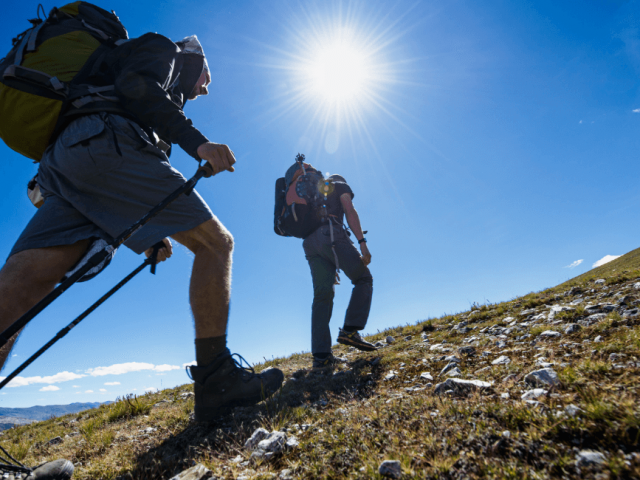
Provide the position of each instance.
(27, 277)
(210, 288)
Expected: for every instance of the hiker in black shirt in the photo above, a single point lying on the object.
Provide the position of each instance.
(328, 250)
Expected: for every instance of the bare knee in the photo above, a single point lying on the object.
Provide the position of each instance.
(211, 235)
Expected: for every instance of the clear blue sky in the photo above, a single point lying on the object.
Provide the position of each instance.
(490, 145)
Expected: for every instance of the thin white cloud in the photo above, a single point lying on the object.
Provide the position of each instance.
(116, 369)
(75, 386)
(110, 384)
(50, 388)
(88, 391)
(605, 259)
(121, 368)
(103, 389)
(150, 389)
(575, 264)
(637, 110)
(57, 378)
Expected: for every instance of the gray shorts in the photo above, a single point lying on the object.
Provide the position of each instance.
(102, 175)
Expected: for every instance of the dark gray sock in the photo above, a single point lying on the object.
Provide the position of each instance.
(207, 349)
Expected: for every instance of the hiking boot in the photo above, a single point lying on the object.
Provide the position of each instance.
(327, 363)
(225, 384)
(56, 470)
(355, 340)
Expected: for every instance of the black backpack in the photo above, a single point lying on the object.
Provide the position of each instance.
(300, 207)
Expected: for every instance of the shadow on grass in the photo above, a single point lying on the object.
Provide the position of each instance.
(304, 391)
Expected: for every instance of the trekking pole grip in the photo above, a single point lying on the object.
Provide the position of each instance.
(153, 258)
(206, 170)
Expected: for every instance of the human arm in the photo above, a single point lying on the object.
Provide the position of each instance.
(146, 71)
(354, 223)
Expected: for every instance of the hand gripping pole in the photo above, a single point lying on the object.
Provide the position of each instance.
(203, 171)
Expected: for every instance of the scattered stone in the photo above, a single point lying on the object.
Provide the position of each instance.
(390, 468)
(550, 334)
(506, 434)
(375, 361)
(598, 338)
(449, 366)
(184, 395)
(451, 358)
(627, 300)
(352, 349)
(407, 338)
(510, 378)
(258, 435)
(460, 387)
(589, 457)
(504, 395)
(426, 376)
(501, 360)
(379, 344)
(533, 394)
(272, 445)
(572, 410)
(55, 441)
(468, 351)
(454, 372)
(572, 328)
(390, 339)
(198, 472)
(390, 376)
(543, 377)
(440, 347)
(632, 313)
(636, 286)
(600, 281)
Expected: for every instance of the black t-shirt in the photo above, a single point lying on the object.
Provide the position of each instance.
(337, 188)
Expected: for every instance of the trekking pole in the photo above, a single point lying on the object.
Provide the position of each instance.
(152, 260)
(203, 171)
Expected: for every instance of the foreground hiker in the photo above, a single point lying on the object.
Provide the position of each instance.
(106, 169)
(321, 205)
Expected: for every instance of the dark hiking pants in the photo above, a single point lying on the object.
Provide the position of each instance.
(317, 248)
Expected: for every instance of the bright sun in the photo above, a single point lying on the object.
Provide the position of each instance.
(338, 72)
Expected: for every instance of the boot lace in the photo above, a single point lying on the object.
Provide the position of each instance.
(247, 371)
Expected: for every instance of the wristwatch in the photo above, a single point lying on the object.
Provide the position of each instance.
(362, 240)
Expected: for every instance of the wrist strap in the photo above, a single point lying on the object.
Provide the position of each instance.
(362, 240)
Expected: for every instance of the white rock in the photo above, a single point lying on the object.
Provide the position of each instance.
(551, 334)
(533, 394)
(504, 395)
(439, 347)
(543, 377)
(426, 376)
(454, 372)
(598, 338)
(270, 446)
(199, 472)
(390, 339)
(636, 286)
(258, 435)
(572, 410)
(449, 366)
(589, 457)
(572, 328)
(506, 434)
(390, 376)
(390, 468)
(460, 386)
(501, 360)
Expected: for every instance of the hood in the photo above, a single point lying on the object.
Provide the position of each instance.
(194, 63)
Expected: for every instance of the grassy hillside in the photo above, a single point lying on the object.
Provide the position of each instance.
(384, 406)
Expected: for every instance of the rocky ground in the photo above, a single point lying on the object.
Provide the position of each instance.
(543, 386)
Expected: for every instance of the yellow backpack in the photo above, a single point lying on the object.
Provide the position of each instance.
(45, 72)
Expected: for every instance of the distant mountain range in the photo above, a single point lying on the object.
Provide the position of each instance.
(10, 417)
